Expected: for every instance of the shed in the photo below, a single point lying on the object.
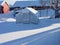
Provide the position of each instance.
(27, 15)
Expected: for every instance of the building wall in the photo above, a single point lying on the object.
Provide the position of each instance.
(5, 7)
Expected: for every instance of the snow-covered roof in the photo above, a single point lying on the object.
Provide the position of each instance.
(32, 10)
(22, 3)
(27, 10)
(10, 2)
(13, 2)
(26, 3)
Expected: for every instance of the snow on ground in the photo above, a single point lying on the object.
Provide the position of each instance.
(21, 34)
(7, 17)
(12, 33)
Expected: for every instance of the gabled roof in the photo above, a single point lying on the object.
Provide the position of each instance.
(4, 2)
(10, 2)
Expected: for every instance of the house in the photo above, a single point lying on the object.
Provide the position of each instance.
(4, 8)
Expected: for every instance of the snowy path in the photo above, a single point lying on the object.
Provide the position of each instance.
(21, 34)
